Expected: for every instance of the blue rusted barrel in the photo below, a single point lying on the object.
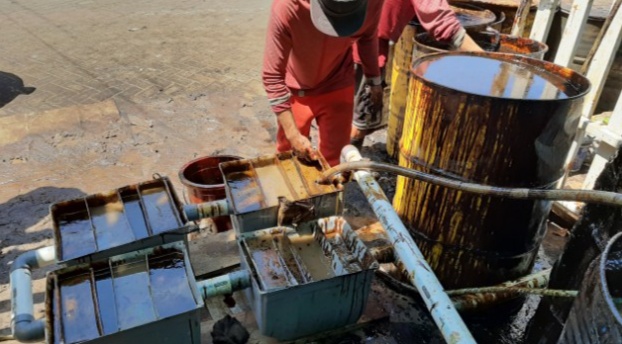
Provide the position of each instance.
(595, 315)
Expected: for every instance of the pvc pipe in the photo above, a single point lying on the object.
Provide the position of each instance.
(199, 211)
(24, 326)
(225, 284)
(588, 196)
(410, 257)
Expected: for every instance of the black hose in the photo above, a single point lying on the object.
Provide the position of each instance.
(586, 196)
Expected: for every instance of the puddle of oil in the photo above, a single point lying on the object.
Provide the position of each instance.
(273, 184)
(170, 287)
(159, 210)
(77, 238)
(104, 289)
(289, 167)
(135, 216)
(268, 264)
(458, 72)
(111, 226)
(79, 320)
(132, 295)
(244, 191)
(312, 256)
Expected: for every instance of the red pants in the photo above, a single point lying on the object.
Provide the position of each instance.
(333, 114)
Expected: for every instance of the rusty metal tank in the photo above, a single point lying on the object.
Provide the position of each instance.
(424, 44)
(508, 7)
(493, 119)
(595, 316)
(473, 18)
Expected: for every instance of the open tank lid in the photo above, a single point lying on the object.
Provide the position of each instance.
(506, 76)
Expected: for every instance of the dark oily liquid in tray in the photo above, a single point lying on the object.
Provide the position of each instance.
(159, 209)
(132, 295)
(491, 77)
(245, 191)
(170, 287)
(135, 217)
(77, 237)
(269, 265)
(105, 300)
(273, 184)
(79, 321)
(312, 255)
(111, 225)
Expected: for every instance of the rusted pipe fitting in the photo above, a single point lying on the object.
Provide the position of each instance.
(205, 210)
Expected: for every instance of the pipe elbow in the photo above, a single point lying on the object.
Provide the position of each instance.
(34, 259)
(29, 330)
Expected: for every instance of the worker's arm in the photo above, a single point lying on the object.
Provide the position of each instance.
(276, 54)
(440, 21)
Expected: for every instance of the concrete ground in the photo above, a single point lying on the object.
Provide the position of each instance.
(95, 95)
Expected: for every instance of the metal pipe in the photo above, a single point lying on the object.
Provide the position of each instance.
(224, 284)
(410, 257)
(23, 324)
(199, 211)
(587, 196)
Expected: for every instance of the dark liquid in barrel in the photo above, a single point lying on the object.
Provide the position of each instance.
(491, 77)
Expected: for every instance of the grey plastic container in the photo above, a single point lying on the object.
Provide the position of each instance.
(171, 328)
(253, 187)
(299, 307)
(123, 220)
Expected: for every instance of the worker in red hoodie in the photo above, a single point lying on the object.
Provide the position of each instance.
(436, 17)
(308, 71)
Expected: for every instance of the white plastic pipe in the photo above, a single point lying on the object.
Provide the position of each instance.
(25, 328)
(420, 274)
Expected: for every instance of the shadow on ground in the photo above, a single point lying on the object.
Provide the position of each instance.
(12, 86)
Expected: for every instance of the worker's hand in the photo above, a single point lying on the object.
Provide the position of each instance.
(300, 144)
(375, 94)
(302, 148)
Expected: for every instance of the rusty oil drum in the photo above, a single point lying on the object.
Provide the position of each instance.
(471, 240)
(595, 316)
(400, 70)
(473, 19)
(424, 44)
(508, 7)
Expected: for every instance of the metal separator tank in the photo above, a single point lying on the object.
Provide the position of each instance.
(119, 221)
(254, 186)
(146, 296)
(306, 280)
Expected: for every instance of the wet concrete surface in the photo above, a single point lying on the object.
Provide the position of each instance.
(123, 90)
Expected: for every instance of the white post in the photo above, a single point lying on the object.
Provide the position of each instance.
(572, 32)
(597, 74)
(544, 19)
(610, 138)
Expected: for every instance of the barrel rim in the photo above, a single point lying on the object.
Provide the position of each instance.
(544, 47)
(571, 74)
(186, 182)
(603, 279)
